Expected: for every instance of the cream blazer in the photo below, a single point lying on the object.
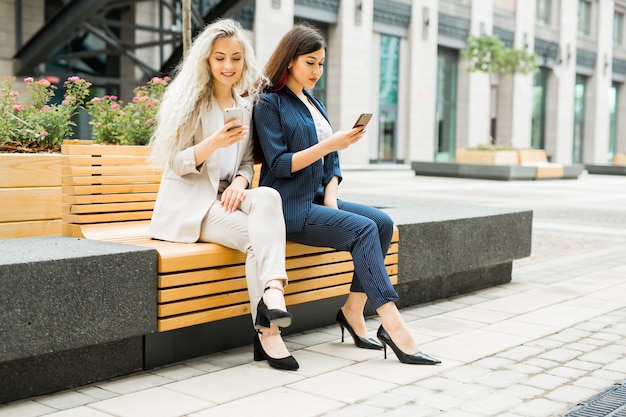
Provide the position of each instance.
(188, 191)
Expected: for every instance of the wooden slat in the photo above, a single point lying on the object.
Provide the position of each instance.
(106, 217)
(203, 303)
(94, 170)
(186, 320)
(30, 228)
(110, 179)
(108, 198)
(23, 204)
(199, 290)
(34, 171)
(200, 276)
(69, 190)
(108, 160)
(117, 207)
(105, 150)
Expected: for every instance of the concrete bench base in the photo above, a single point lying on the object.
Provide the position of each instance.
(491, 171)
(606, 169)
(72, 311)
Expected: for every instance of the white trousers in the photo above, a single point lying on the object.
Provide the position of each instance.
(257, 229)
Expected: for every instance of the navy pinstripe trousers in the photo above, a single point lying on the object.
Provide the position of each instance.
(366, 233)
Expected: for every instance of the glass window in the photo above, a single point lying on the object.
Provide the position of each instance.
(613, 96)
(579, 118)
(388, 104)
(584, 17)
(445, 128)
(538, 128)
(618, 28)
(543, 12)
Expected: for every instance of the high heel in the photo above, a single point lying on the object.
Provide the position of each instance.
(288, 363)
(266, 317)
(361, 342)
(419, 358)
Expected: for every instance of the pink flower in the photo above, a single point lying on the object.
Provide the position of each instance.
(28, 80)
(148, 122)
(43, 133)
(73, 79)
(114, 106)
(44, 82)
(18, 108)
(135, 99)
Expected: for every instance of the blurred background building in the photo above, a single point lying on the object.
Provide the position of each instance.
(398, 59)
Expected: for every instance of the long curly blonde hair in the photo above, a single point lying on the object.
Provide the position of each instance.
(192, 87)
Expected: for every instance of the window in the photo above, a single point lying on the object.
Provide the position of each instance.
(388, 104)
(584, 18)
(618, 28)
(543, 12)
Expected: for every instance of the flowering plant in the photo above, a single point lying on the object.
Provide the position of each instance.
(27, 117)
(132, 123)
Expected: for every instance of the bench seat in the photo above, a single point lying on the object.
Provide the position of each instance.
(109, 193)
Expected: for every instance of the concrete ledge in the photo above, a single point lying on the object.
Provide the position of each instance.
(72, 311)
(489, 171)
(606, 169)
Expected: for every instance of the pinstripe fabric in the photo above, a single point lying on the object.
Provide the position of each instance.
(283, 126)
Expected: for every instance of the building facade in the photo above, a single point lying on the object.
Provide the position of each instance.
(399, 60)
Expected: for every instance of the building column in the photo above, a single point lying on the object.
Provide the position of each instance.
(474, 88)
(350, 85)
(422, 81)
(560, 105)
(515, 92)
(597, 117)
(270, 24)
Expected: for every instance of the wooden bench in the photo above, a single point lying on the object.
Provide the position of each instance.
(538, 158)
(108, 193)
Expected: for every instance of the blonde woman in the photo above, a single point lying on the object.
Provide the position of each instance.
(205, 192)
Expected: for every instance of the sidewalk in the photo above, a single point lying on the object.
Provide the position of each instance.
(537, 346)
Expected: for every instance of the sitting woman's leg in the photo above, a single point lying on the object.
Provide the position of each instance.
(245, 230)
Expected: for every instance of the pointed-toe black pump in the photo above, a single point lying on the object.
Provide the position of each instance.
(266, 317)
(288, 363)
(361, 342)
(419, 358)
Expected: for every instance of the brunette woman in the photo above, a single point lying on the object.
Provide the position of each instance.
(300, 160)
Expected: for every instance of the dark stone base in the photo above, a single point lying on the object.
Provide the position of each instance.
(44, 374)
(606, 169)
(487, 171)
(434, 288)
(204, 339)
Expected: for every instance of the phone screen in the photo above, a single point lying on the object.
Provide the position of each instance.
(363, 120)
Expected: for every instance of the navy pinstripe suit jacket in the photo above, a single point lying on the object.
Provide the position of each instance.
(284, 126)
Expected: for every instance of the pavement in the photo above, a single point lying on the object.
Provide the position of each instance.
(537, 346)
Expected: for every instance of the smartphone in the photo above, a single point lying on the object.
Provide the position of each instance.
(233, 113)
(363, 120)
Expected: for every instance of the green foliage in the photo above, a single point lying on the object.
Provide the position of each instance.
(27, 118)
(489, 54)
(132, 123)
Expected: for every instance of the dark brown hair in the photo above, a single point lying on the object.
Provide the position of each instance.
(301, 39)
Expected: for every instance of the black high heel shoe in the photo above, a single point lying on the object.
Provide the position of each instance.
(288, 363)
(266, 317)
(419, 358)
(361, 342)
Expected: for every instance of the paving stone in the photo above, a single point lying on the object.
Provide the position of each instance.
(546, 382)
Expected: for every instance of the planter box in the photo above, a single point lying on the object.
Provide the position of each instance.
(30, 191)
(480, 156)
